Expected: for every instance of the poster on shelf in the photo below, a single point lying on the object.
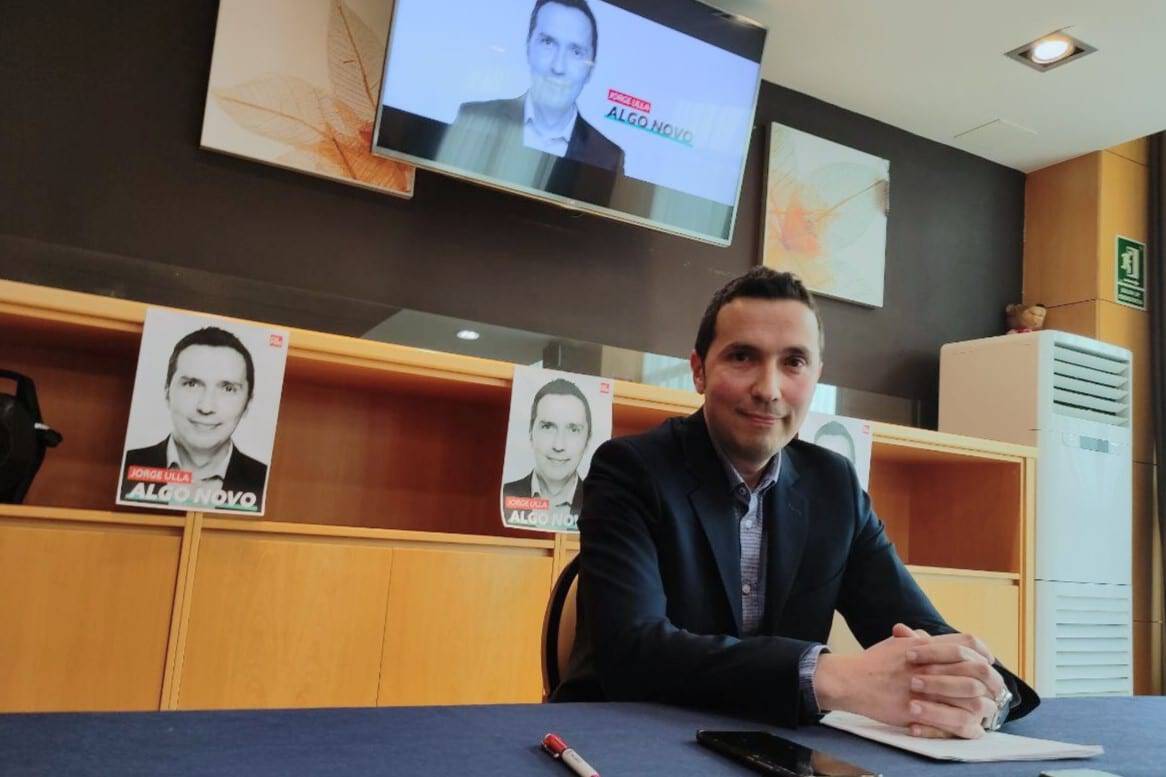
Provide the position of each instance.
(203, 414)
(557, 420)
(850, 437)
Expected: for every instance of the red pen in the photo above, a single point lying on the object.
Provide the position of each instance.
(557, 748)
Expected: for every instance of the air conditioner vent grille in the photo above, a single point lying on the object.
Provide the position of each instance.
(1093, 645)
(1091, 385)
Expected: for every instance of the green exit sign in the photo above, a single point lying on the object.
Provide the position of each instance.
(1130, 256)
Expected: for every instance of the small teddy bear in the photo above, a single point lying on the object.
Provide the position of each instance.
(1025, 318)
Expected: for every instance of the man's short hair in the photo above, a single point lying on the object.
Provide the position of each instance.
(836, 429)
(578, 5)
(560, 387)
(216, 338)
(759, 283)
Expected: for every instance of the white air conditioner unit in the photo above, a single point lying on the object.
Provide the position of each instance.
(1069, 396)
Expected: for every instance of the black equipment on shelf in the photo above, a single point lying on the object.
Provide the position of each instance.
(23, 438)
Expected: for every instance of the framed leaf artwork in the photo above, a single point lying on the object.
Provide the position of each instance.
(295, 83)
(826, 209)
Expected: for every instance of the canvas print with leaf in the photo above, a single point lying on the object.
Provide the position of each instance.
(826, 211)
(295, 83)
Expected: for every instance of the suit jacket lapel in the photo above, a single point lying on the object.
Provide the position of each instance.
(713, 504)
(232, 476)
(788, 517)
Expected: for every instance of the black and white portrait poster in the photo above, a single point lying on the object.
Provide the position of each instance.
(203, 415)
(850, 437)
(557, 420)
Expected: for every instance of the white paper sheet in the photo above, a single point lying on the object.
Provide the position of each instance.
(994, 746)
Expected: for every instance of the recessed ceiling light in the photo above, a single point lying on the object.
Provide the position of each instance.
(468, 334)
(1050, 51)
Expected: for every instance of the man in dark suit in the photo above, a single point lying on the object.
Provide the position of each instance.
(519, 138)
(210, 381)
(560, 430)
(716, 548)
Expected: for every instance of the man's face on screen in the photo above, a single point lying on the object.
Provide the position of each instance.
(560, 55)
(207, 397)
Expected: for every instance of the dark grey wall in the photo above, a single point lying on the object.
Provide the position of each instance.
(103, 188)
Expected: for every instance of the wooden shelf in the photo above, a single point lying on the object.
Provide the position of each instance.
(910, 444)
(917, 569)
(411, 538)
(60, 318)
(70, 515)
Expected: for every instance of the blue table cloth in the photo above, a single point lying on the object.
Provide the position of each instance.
(492, 741)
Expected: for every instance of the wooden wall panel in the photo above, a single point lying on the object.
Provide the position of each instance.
(1124, 210)
(1147, 657)
(1080, 318)
(1136, 150)
(967, 516)
(287, 622)
(465, 627)
(423, 463)
(86, 614)
(986, 607)
(890, 492)
(1060, 232)
(1147, 549)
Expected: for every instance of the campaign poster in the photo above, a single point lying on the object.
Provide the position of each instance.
(850, 437)
(557, 420)
(203, 414)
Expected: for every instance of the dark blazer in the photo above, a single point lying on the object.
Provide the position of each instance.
(494, 122)
(660, 577)
(243, 472)
(521, 488)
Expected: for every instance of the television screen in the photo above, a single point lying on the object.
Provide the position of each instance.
(636, 109)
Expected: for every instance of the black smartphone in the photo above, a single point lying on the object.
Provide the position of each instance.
(770, 754)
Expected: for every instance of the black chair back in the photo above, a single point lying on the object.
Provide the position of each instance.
(559, 627)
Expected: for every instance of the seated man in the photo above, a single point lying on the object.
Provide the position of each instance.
(716, 548)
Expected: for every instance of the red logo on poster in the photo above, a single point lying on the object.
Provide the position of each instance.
(635, 103)
(275, 341)
(525, 503)
(604, 388)
(157, 474)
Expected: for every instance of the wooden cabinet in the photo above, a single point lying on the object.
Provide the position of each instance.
(464, 625)
(959, 512)
(85, 608)
(381, 573)
(279, 620)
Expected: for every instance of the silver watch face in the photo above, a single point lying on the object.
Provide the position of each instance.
(994, 721)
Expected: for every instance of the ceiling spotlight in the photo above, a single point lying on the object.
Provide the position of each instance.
(1050, 51)
(468, 334)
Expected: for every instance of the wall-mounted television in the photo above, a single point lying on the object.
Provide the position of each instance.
(639, 110)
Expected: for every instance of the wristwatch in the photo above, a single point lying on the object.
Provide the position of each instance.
(994, 721)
